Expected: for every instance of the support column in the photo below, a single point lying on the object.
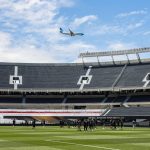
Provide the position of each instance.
(98, 61)
(138, 57)
(113, 59)
(82, 60)
(23, 98)
(128, 58)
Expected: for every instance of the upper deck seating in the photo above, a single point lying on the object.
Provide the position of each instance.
(66, 76)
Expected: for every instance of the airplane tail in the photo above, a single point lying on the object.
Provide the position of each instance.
(61, 30)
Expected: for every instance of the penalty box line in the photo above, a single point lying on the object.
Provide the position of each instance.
(84, 145)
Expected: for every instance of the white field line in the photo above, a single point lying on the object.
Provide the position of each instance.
(3, 140)
(92, 146)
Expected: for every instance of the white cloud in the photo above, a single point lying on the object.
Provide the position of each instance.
(21, 53)
(107, 29)
(134, 26)
(27, 52)
(78, 21)
(122, 29)
(5, 39)
(146, 33)
(120, 46)
(33, 12)
(138, 12)
(71, 50)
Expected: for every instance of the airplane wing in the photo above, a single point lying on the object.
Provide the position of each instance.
(71, 33)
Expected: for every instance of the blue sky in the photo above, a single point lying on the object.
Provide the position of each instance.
(29, 29)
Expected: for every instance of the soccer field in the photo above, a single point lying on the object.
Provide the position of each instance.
(55, 138)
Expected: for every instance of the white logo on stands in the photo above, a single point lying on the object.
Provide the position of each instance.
(146, 80)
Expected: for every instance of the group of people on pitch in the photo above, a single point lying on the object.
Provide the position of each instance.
(113, 123)
(88, 124)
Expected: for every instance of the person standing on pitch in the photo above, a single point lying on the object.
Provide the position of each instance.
(33, 124)
(14, 122)
(133, 124)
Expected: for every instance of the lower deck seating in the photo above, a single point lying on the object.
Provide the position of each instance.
(44, 100)
(117, 99)
(75, 99)
(131, 111)
(139, 98)
(10, 99)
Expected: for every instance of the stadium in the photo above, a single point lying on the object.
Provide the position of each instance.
(56, 93)
(110, 89)
(53, 93)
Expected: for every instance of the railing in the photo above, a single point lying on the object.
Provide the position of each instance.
(96, 89)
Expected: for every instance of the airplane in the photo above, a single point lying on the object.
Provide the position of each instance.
(70, 33)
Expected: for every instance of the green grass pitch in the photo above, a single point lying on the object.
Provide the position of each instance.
(55, 138)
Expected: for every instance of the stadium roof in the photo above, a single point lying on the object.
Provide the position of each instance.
(115, 53)
(112, 53)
